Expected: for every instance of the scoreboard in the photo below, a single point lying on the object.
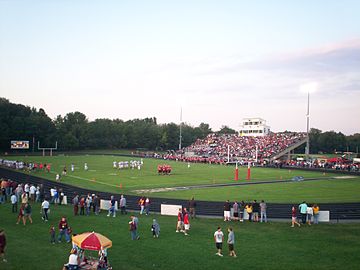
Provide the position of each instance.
(19, 144)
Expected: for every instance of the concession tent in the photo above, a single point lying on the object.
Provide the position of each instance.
(92, 241)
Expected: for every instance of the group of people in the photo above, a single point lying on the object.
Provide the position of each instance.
(255, 211)
(86, 204)
(28, 166)
(309, 214)
(164, 169)
(132, 164)
(214, 147)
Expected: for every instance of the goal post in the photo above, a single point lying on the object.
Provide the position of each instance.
(44, 149)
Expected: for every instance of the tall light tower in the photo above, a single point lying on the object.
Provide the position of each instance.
(180, 135)
(307, 148)
(308, 88)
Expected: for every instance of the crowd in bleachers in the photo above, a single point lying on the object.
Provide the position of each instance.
(339, 165)
(214, 148)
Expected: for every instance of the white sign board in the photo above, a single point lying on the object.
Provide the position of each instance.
(170, 209)
(324, 216)
(105, 205)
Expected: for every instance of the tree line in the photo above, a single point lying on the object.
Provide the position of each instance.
(75, 132)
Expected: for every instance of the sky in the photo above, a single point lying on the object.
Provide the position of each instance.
(219, 61)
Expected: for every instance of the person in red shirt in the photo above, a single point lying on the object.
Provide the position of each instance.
(294, 217)
(179, 223)
(64, 230)
(186, 222)
(21, 214)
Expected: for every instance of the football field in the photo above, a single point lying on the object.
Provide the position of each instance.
(101, 175)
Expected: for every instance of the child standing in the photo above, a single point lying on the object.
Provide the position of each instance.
(52, 234)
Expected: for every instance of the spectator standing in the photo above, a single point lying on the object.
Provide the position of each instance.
(133, 223)
(123, 205)
(231, 242)
(309, 214)
(75, 203)
(63, 230)
(37, 194)
(88, 202)
(32, 193)
(303, 209)
(236, 211)
(97, 204)
(316, 210)
(142, 205)
(263, 207)
(219, 238)
(256, 207)
(192, 208)
(2, 245)
(52, 235)
(227, 211)
(82, 206)
(112, 207)
(241, 211)
(14, 202)
(147, 206)
(249, 210)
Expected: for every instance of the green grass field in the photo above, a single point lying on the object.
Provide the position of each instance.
(102, 176)
(259, 246)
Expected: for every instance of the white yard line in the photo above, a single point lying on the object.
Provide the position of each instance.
(90, 180)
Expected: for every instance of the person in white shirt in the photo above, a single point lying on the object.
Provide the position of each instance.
(219, 238)
(32, 193)
(45, 208)
(14, 201)
(73, 260)
(309, 213)
(86, 167)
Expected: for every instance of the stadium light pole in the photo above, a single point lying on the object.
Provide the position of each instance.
(308, 88)
(180, 135)
(307, 149)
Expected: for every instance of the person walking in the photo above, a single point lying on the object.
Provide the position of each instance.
(231, 242)
(219, 238)
(180, 221)
(45, 209)
(294, 217)
(155, 228)
(186, 222)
